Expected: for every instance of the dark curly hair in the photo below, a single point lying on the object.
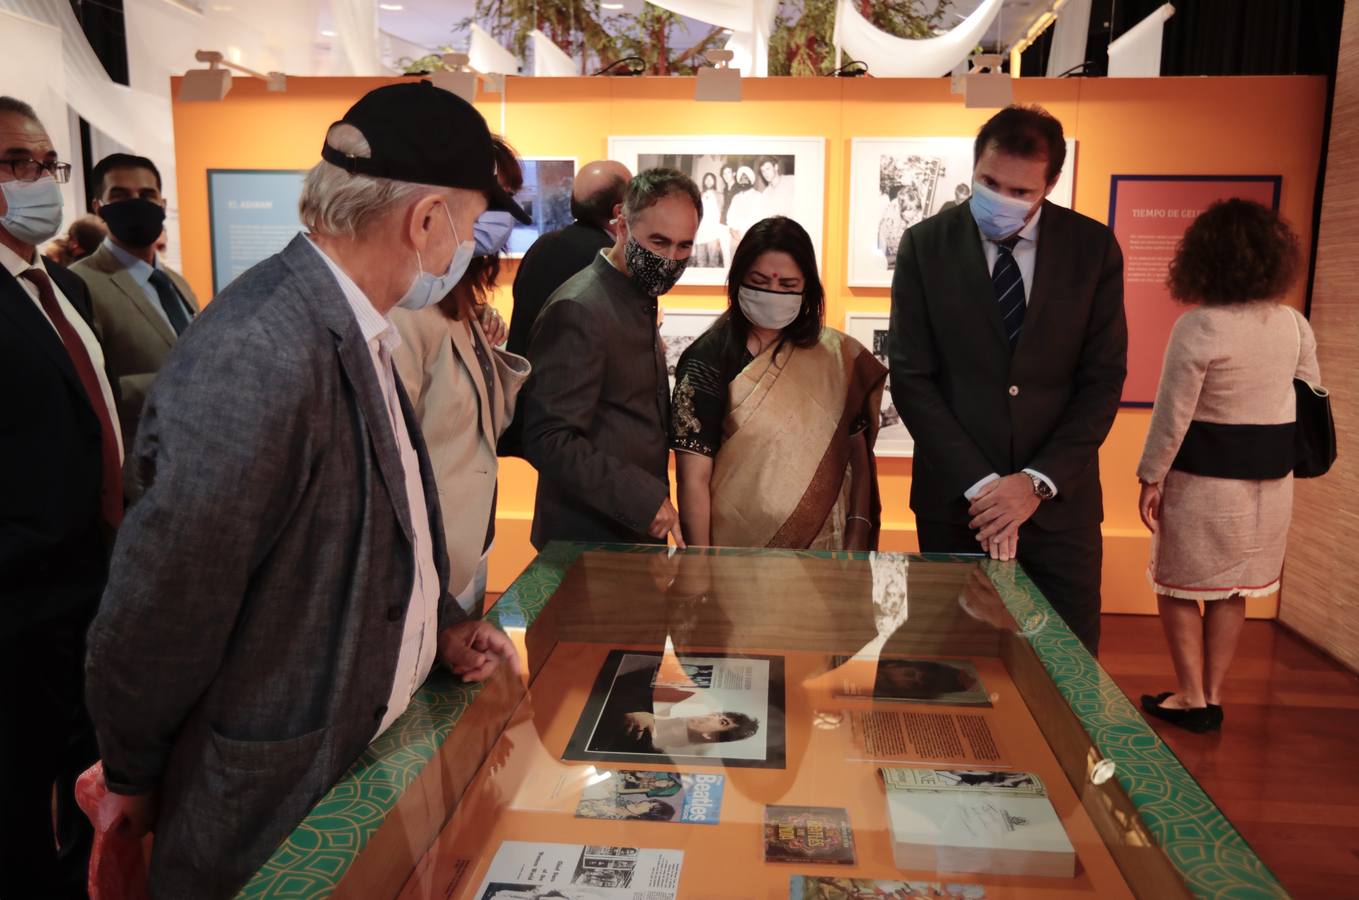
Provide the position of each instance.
(1236, 251)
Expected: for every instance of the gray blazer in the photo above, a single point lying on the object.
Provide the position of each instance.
(246, 644)
(595, 411)
(135, 336)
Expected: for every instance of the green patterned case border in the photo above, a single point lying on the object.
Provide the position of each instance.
(313, 859)
(1207, 850)
(1215, 861)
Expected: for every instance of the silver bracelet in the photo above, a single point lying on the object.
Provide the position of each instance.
(860, 518)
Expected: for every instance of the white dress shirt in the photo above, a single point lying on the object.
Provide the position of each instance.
(16, 265)
(1026, 254)
(141, 270)
(419, 637)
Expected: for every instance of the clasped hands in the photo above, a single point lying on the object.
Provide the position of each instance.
(997, 512)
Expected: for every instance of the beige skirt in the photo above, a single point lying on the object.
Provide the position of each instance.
(1219, 537)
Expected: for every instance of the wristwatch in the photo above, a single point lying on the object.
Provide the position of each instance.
(1041, 489)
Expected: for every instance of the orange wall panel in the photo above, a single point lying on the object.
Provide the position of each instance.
(1219, 126)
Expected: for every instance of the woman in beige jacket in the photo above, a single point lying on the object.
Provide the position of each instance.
(463, 389)
(1216, 474)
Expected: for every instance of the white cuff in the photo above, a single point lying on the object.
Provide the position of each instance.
(971, 493)
(1045, 479)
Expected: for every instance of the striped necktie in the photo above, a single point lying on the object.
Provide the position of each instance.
(1009, 287)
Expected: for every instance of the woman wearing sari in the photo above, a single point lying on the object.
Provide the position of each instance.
(775, 415)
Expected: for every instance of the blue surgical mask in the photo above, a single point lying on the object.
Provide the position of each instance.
(33, 209)
(491, 232)
(997, 216)
(428, 289)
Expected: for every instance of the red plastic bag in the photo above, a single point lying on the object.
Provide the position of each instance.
(117, 861)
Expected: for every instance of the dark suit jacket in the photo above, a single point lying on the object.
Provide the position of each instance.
(975, 408)
(53, 545)
(596, 408)
(244, 651)
(552, 259)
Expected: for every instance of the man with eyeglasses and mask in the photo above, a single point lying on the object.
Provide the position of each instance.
(279, 589)
(597, 406)
(140, 305)
(60, 501)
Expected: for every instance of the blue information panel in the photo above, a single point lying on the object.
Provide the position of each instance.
(253, 216)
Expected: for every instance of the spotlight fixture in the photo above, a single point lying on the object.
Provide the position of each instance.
(985, 86)
(719, 82)
(214, 82)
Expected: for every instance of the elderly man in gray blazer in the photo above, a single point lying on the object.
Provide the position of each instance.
(278, 591)
(597, 406)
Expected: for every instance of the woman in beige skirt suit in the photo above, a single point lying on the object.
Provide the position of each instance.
(1216, 473)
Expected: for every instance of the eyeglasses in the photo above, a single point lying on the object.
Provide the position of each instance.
(32, 170)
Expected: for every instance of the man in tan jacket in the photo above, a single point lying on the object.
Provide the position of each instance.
(140, 306)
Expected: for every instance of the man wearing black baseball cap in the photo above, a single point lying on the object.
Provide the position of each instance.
(277, 593)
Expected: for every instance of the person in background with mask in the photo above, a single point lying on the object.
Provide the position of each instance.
(140, 305)
(768, 381)
(1008, 350)
(597, 406)
(61, 499)
(463, 390)
(278, 591)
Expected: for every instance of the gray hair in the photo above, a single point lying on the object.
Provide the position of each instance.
(19, 107)
(343, 203)
(650, 187)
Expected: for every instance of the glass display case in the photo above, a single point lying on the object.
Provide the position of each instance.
(767, 723)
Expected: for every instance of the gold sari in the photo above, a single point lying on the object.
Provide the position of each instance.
(782, 477)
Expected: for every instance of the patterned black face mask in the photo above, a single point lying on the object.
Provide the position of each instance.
(652, 273)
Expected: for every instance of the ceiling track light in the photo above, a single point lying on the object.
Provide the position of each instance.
(214, 82)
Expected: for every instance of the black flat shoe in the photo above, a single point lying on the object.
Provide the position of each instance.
(1199, 720)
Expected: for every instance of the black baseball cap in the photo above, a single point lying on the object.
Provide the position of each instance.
(425, 134)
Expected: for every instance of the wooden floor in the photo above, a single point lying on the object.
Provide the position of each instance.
(1285, 768)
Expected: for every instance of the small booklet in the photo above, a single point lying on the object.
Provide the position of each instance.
(803, 834)
(824, 887)
(975, 820)
(653, 797)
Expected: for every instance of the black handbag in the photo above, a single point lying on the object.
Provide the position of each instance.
(1314, 448)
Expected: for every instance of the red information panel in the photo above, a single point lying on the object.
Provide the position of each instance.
(1149, 214)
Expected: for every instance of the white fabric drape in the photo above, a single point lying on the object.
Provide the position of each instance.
(751, 22)
(891, 56)
(549, 59)
(356, 25)
(486, 55)
(1137, 52)
(1069, 36)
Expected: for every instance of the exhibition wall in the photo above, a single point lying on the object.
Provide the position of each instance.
(1319, 600)
(1163, 126)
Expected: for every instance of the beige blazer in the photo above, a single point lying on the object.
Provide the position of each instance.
(440, 372)
(133, 333)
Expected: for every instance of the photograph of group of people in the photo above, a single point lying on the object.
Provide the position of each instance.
(741, 180)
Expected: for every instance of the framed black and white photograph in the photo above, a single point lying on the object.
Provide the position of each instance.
(679, 328)
(895, 183)
(741, 180)
(546, 197)
(642, 711)
(872, 330)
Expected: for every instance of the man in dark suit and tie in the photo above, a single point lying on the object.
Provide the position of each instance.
(1008, 352)
(140, 305)
(60, 501)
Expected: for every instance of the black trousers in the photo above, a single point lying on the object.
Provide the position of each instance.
(1065, 565)
(46, 741)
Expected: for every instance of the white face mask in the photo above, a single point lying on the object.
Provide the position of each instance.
(996, 215)
(428, 289)
(774, 310)
(34, 209)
